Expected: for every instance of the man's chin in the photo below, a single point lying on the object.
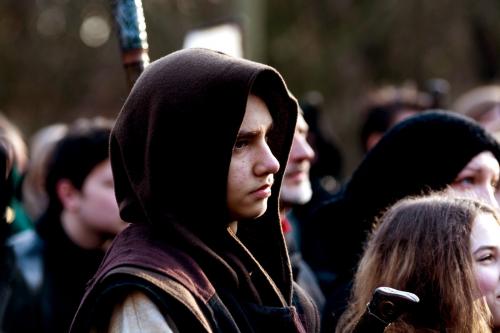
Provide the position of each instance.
(296, 195)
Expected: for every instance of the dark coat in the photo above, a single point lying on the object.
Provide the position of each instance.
(170, 153)
(140, 260)
(17, 309)
(66, 270)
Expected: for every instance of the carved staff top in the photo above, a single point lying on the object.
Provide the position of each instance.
(132, 36)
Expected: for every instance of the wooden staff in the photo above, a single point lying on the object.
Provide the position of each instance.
(132, 36)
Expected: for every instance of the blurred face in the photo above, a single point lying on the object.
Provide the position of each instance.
(490, 119)
(401, 115)
(97, 207)
(485, 247)
(253, 165)
(479, 178)
(296, 187)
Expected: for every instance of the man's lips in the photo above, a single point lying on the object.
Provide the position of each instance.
(297, 175)
(263, 192)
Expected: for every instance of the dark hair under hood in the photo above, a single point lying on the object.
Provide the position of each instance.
(73, 157)
(174, 176)
(423, 153)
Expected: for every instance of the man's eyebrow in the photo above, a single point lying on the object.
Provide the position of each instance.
(248, 134)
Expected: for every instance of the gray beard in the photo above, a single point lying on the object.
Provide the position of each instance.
(296, 195)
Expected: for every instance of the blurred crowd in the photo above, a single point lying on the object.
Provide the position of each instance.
(417, 216)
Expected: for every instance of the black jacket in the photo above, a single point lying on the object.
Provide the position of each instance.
(66, 270)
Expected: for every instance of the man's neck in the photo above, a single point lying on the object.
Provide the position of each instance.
(78, 234)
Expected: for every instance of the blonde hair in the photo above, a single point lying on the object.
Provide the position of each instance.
(42, 144)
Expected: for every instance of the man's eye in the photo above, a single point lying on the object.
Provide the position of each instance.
(465, 181)
(240, 144)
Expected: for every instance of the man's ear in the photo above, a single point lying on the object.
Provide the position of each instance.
(68, 194)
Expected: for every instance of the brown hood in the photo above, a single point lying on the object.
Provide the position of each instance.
(171, 149)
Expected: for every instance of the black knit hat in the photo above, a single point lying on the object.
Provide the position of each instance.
(424, 152)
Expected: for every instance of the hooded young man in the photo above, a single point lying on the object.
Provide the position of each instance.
(198, 153)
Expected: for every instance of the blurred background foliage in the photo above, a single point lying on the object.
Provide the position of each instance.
(60, 59)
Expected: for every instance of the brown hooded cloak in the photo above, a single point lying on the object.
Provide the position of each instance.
(170, 152)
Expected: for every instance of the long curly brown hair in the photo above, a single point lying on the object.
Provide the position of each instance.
(422, 245)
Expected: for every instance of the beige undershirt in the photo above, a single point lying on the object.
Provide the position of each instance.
(137, 313)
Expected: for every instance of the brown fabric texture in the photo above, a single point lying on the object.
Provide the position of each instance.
(172, 287)
(136, 248)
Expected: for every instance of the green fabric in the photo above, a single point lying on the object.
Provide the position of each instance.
(21, 219)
